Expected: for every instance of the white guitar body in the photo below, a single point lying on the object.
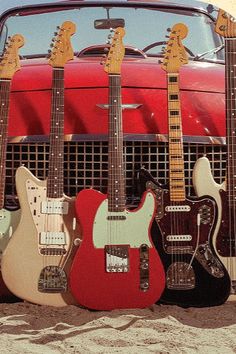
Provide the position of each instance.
(204, 184)
(8, 223)
(37, 258)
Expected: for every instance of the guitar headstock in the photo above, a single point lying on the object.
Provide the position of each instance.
(116, 53)
(225, 25)
(10, 62)
(175, 53)
(61, 46)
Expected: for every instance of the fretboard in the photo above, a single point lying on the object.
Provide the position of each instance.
(176, 159)
(55, 181)
(230, 77)
(116, 185)
(4, 110)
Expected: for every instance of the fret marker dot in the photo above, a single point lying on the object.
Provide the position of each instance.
(58, 92)
(116, 181)
(57, 109)
(115, 100)
(3, 104)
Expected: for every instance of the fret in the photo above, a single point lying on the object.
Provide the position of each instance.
(55, 180)
(230, 72)
(176, 162)
(116, 184)
(4, 111)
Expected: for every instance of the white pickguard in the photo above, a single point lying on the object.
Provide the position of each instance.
(132, 231)
(204, 184)
(46, 222)
(8, 223)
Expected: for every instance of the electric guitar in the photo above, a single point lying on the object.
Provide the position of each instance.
(224, 238)
(8, 218)
(116, 265)
(194, 275)
(36, 261)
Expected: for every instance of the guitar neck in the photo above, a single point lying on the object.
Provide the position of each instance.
(55, 181)
(4, 111)
(176, 159)
(116, 184)
(230, 77)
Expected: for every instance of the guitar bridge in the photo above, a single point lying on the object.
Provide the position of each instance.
(117, 258)
(180, 276)
(52, 279)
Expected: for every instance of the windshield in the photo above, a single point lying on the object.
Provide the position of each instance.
(146, 29)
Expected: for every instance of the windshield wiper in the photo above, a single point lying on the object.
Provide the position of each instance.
(213, 51)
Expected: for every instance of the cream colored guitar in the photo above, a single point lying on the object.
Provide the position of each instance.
(37, 259)
(8, 66)
(224, 238)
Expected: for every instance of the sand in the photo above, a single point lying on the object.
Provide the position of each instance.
(28, 328)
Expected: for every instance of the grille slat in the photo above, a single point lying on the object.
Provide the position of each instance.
(85, 163)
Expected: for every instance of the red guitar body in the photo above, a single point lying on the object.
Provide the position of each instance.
(91, 283)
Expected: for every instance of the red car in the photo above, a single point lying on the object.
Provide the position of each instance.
(86, 91)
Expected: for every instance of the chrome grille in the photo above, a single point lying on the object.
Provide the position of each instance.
(86, 163)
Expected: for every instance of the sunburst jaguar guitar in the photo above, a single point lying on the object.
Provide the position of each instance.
(36, 261)
(116, 265)
(194, 275)
(8, 218)
(224, 238)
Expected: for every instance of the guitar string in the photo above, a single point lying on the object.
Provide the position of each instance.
(232, 24)
(229, 128)
(4, 109)
(55, 168)
(232, 131)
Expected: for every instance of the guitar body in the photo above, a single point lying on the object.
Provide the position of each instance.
(106, 277)
(8, 223)
(223, 241)
(194, 274)
(34, 264)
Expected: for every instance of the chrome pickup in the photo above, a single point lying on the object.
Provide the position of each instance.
(54, 207)
(172, 238)
(117, 258)
(173, 208)
(52, 238)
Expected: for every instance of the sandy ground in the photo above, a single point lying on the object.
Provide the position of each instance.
(27, 328)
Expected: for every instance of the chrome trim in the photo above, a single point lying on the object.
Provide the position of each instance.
(124, 106)
(211, 140)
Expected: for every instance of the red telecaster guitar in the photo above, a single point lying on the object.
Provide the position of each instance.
(116, 265)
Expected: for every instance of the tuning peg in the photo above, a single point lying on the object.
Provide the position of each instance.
(55, 33)
(112, 30)
(167, 36)
(58, 27)
(109, 36)
(49, 51)
(108, 42)
(106, 50)
(168, 29)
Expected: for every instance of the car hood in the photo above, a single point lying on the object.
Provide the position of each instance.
(144, 95)
(141, 73)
